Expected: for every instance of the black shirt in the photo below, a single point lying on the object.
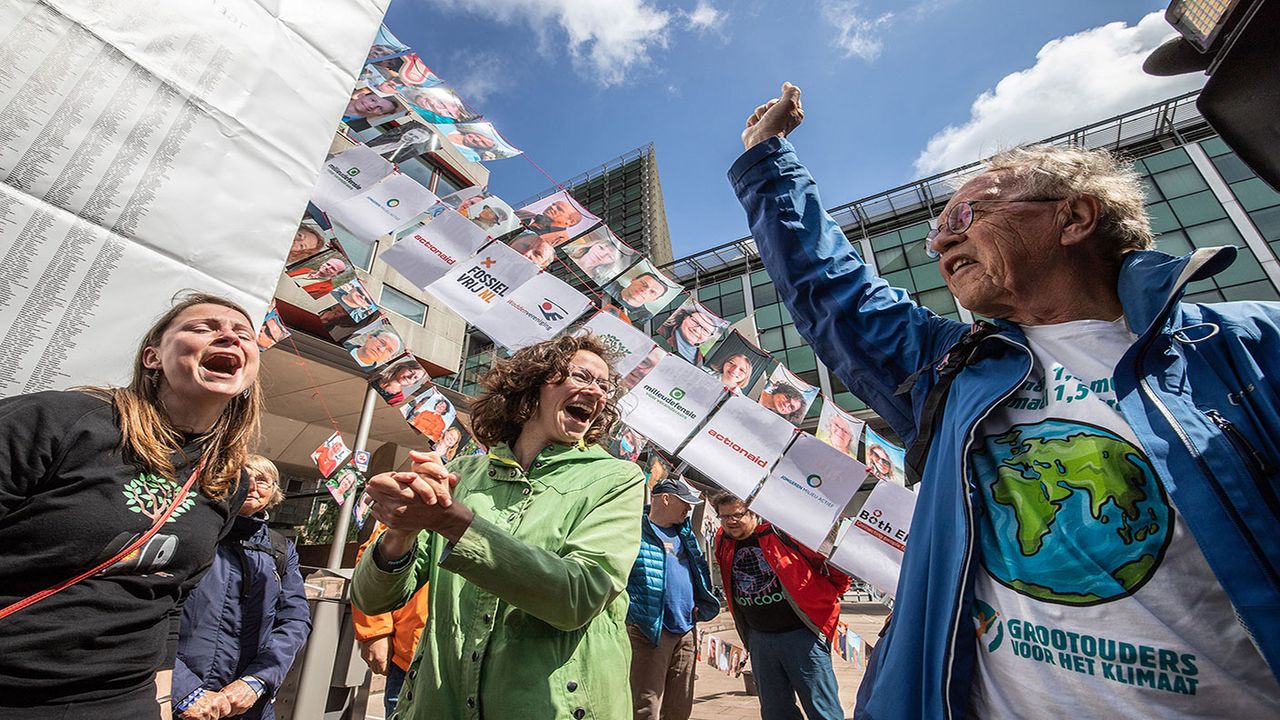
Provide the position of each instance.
(758, 593)
(69, 499)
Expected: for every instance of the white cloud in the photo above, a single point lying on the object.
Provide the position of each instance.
(605, 38)
(1076, 80)
(705, 17)
(857, 34)
(483, 75)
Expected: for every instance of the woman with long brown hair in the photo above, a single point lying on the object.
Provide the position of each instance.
(112, 500)
(527, 605)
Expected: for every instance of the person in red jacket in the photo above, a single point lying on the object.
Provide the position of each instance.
(785, 600)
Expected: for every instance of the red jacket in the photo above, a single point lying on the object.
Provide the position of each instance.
(813, 586)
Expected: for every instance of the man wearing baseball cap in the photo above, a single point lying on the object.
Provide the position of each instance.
(670, 589)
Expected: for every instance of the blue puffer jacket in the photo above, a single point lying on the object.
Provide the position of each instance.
(231, 629)
(1194, 388)
(648, 579)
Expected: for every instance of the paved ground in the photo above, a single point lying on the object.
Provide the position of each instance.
(720, 697)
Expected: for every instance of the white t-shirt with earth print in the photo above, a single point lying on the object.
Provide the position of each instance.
(1091, 598)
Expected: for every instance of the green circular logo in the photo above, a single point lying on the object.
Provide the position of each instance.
(814, 481)
(392, 202)
(353, 172)
(677, 393)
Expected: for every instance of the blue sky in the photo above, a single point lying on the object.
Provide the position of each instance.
(892, 91)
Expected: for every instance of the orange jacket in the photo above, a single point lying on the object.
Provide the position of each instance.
(403, 625)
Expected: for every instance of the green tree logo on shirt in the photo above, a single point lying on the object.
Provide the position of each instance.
(149, 495)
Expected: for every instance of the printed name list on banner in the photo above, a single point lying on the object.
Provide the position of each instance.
(149, 148)
(426, 252)
(738, 444)
(808, 489)
(670, 402)
(872, 544)
(473, 286)
(538, 310)
(629, 345)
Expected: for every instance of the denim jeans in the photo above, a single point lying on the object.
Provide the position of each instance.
(791, 664)
(395, 681)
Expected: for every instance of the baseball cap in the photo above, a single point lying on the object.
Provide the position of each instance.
(678, 488)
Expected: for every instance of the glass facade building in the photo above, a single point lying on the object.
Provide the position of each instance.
(1198, 193)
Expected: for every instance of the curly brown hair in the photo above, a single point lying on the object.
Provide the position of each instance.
(511, 389)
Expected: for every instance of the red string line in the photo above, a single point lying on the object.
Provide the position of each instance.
(314, 387)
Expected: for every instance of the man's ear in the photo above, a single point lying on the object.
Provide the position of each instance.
(1082, 220)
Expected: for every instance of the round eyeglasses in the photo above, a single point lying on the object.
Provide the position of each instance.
(960, 218)
(582, 378)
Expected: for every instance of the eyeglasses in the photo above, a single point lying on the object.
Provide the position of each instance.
(734, 517)
(960, 218)
(583, 378)
(261, 480)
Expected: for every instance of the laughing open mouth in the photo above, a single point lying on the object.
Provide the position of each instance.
(580, 412)
(222, 364)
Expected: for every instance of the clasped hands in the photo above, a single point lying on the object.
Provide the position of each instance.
(422, 499)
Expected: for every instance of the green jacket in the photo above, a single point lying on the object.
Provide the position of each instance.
(529, 620)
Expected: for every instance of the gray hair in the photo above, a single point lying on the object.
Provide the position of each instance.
(1048, 171)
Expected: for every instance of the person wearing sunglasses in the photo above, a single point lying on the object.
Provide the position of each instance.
(526, 559)
(1098, 464)
(785, 602)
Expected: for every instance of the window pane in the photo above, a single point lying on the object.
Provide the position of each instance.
(445, 186)
(1214, 146)
(900, 279)
(360, 253)
(1213, 234)
(1244, 270)
(914, 232)
(1232, 168)
(1254, 194)
(1174, 243)
(1162, 219)
(1199, 208)
(1150, 192)
(1166, 160)
(891, 259)
(792, 336)
(916, 254)
(768, 316)
(801, 360)
(763, 295)
(927, 277)
(760, 277)
(732, 305)
(401, 304)
(885, 241)
(771, 340)
(939, 300)
(1268, 222)
(849, 402)
(1180, 181)
(1262, 290)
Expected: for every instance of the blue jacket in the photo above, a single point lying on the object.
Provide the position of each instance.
(230, 629)
(1189, 361)
(645, 586)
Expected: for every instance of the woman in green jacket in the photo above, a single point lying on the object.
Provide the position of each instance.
(525, 550)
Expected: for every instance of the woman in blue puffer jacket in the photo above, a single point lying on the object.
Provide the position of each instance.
(245, 622)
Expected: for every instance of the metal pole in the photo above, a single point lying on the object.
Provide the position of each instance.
(344, 518)
(326, 626)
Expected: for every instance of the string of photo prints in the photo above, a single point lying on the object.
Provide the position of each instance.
(699, 390)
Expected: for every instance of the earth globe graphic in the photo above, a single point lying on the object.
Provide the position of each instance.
(1075, 513)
